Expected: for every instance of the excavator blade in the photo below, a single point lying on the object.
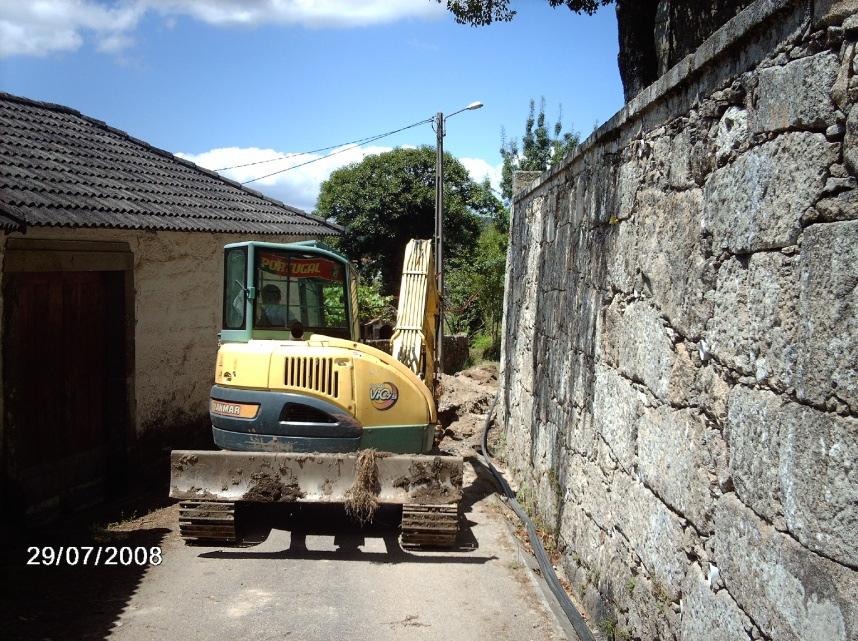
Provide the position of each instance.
(282, 477)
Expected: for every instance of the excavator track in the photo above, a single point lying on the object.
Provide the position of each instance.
(429, 525)
(207, 521)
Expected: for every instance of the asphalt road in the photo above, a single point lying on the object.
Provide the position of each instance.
(315, 575)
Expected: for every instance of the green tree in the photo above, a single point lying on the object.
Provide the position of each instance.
(372, 303)
(539, 149)
(637, 59)
(387, 199)
(489, 275)
(475, 288)
(644, 28)
(479, 13)
(461, 311)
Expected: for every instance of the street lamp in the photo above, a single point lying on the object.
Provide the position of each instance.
(439, 223)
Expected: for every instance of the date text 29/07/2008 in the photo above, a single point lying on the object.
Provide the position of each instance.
(94, 555)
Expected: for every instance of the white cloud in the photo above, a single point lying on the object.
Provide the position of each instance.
(16, 39)
(479, 170)
(298, 187)
(308, 13)
(41, 27)
(115, 42)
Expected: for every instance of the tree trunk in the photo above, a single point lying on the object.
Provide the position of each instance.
(656, 34)
(637, 59)
(683, 25)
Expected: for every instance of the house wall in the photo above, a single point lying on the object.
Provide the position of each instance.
(680, 394)
(177, 282)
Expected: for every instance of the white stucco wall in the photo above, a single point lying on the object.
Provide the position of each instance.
(177, 314)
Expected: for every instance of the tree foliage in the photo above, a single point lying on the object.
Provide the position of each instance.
(373, 304)
(475, 287)
(479, 13)
(489, 269)
(654, 35)
(539, 148)
(387, 199)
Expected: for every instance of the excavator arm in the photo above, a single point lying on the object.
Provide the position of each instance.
(413, 340)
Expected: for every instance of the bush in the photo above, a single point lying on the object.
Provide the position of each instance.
(474, 293)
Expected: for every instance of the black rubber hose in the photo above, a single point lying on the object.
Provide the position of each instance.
(569, 609)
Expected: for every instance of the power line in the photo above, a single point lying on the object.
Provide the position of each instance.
(292, 155)
(372, 139)
(303, 153)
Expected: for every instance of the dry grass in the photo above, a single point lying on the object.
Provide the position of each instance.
(362, 497)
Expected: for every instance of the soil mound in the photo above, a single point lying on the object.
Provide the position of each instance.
(465, 401)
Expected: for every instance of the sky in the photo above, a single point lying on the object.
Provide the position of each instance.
(229, 82)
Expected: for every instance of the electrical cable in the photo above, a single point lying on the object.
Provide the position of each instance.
(378, 137)
(548, 573)
(312, 151)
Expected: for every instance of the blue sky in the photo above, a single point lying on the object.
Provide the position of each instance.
(224, 82)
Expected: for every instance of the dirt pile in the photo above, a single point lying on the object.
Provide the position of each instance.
(466, 399)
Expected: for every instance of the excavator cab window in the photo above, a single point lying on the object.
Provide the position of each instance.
(234, 289)
(308, 288)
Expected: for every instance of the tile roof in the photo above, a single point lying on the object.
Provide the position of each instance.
(61, 168)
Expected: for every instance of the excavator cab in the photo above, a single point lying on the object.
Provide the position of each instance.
(276, 291)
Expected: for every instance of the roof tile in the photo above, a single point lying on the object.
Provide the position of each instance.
(61, 168)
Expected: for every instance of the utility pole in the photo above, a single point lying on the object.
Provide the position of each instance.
(439, 236)
(439, 226)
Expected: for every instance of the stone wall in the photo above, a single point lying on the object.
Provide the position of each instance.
(680, 342)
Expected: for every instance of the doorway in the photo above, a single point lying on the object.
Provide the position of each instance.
(65, 335)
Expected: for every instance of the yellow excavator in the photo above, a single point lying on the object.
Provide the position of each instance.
(304, 412)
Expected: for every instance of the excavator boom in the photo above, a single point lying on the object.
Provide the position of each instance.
(413, 341)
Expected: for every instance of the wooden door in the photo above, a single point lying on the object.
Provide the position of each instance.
(64, 382)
